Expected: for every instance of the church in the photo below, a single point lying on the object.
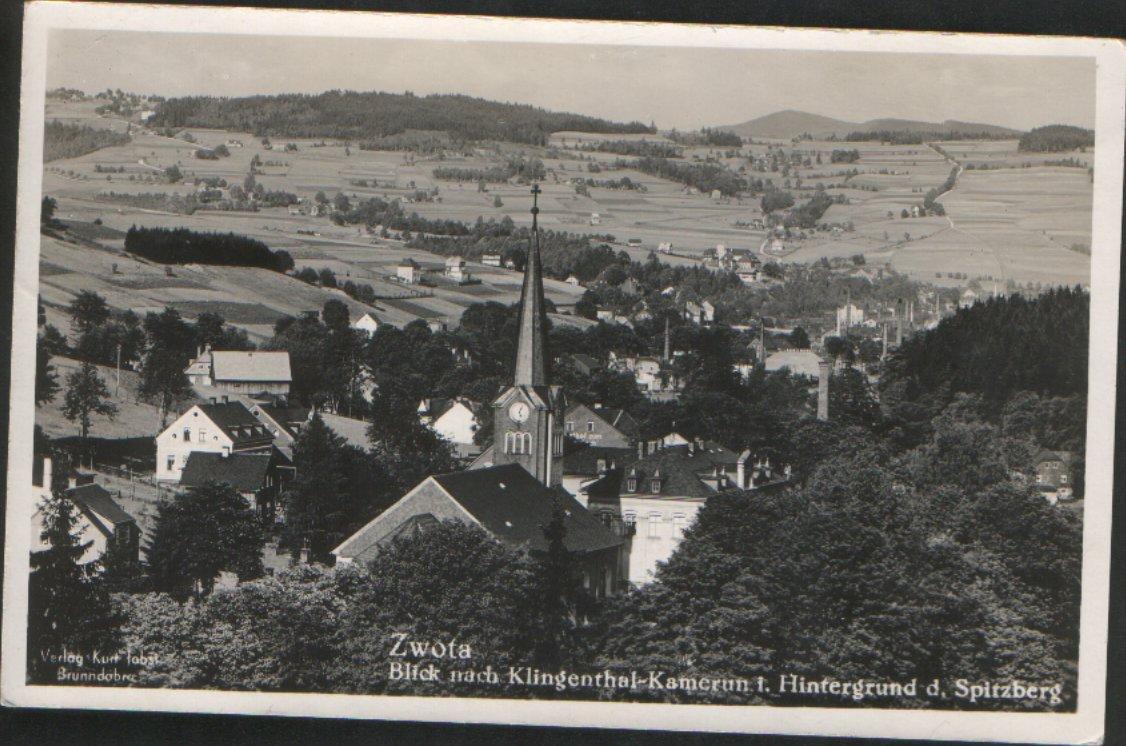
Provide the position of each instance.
(512, 498)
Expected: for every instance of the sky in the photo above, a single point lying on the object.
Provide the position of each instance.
(686, 88)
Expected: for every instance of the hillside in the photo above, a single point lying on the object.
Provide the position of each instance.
(791, 123)
(787, 124)
(1055, 138)
(374, 115)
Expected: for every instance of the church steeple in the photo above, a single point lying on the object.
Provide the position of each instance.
(531, 351)
(528, 417)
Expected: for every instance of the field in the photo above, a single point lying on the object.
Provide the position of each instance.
(1009, 217)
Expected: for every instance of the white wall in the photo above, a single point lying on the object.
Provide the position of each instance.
(203, 435)
(660, 524)
(457, 424)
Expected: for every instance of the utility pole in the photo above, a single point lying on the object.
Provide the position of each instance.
(117, 381)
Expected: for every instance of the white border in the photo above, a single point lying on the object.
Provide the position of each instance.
(1084, 726)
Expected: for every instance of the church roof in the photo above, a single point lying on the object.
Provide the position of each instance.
(531, 346)
(514, 507)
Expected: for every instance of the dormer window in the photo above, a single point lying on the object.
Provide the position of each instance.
(655, 485)
(631, 484)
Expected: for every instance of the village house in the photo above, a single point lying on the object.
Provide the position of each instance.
(368, 324)
(222, 427)
(1053, 474)
(583, 463)
(491, 260)
(284, 423)
(252, 373)
(602, 426)
(572, 281)
(258, 476)
(455, 269)
(699, 313)
(101, 522)
(585, 364)
(664, 247)
(408, 271)
(511, 490)
(453, 419)
(657, 497)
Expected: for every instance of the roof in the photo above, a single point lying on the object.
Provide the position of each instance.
(581, 458)
(237, 422)
(679, 471)
(354, 432)
(408, 262)
(619, 419)
(584, 359)
(1045, 455)
(801, 362)
(246, 472)
(232, 365)
(514, 507)
(286, 417)
(95, 498)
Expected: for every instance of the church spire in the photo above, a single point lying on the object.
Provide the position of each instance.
(531, 351)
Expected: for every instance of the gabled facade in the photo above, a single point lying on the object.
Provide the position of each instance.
(368, 324)
(453, 419)
(101, 522)
(603, 426)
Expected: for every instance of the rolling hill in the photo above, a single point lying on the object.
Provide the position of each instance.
(791, 123)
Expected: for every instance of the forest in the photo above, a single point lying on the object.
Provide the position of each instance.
(705, 177)
(62, 140)
(918, 137)
(183, 246)
(373, 115)
(1055, 138)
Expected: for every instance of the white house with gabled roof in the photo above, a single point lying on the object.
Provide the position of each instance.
(367, 323)
(223, 427)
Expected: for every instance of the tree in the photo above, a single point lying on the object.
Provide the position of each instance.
(200, 534)
(46, 380)
(67, 606)
(47, 210)
(335, 490)
(163, 380)
(558, 591)
(86, 396)
(799, 338)
(173, 174)
(88, 311)
(497, 201)
(334, 315)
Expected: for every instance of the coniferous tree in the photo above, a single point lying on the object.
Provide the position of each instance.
(200, 534)
(557, 595)
(67, 605)
(46, 380)
(319, 502)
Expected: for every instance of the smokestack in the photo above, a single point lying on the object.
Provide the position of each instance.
(741, 469)
(884, 349)
(47, 474)
(823, 389)
(899, 322)
(668, 348)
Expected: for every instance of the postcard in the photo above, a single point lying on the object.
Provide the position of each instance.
(623, 375)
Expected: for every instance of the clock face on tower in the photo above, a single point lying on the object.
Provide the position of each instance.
(518, 411)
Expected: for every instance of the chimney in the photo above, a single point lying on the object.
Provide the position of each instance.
(741, 469)
(640, 450)
(823, 389)
(46, 475)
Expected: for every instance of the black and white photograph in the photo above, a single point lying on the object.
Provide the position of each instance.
(515, 371)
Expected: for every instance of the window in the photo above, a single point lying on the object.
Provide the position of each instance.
(187, 434)
(630, 518)
(590, 426)
(569, 427)
(655, 485)
(631, 484)
(508, 443)
(170, 464)
(527, 438)
(654, 525)
(678, 523)
(607, 517)
(601, 465)
(202, 436)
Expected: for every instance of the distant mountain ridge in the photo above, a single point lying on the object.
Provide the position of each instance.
(792, 123)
